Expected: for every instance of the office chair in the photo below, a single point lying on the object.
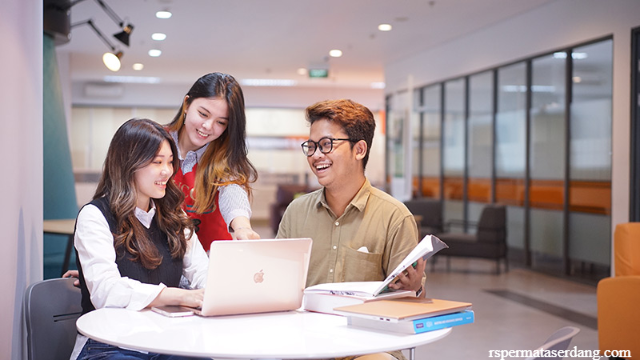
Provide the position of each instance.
(559, 340)
(430, 212)
(489, 241)
(51, 308)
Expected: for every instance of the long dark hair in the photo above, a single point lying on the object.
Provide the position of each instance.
(135, 145)
(225, 160)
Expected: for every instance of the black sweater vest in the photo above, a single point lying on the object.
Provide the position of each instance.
(168, 272)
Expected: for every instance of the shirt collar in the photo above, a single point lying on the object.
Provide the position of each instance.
(359, 201)
(145, 217)
(191, 158)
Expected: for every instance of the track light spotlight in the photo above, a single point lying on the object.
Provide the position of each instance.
(110, 59)
(123, 36)
(127, 28)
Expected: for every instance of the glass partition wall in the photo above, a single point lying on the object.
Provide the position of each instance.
(453, 154)
(534, 135)
(431, 113)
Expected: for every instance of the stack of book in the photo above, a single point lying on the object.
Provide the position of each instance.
(408, 315)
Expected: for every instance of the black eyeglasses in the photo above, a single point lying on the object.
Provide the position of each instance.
(325, 145)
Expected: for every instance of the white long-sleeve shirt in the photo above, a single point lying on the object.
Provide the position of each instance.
(94, 243)
(107, 287)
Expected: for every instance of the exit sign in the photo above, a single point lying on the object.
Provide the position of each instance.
(318, 73)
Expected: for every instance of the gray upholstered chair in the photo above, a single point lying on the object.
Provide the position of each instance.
(51, 308)
(488, 242)
(429, 211)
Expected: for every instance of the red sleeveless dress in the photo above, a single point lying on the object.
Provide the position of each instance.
(212, 226)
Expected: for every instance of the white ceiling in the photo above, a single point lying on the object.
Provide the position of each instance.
(271, 39)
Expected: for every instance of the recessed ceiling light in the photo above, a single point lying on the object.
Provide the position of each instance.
(302, 71)
(377, 85)
(163, 14)
(384, 27)
(155, 52)
(335, 53)
(138, 66)
(158, 36)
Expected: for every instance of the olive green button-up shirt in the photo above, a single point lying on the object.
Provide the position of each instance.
(375, 233)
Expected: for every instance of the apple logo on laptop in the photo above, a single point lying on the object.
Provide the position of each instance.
(258, 277)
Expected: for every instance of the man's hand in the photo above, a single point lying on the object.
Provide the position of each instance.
(410, 279)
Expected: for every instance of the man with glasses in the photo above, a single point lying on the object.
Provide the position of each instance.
(359, 233)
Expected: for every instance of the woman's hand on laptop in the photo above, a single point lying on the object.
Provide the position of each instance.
(411, 278)
(177, 296)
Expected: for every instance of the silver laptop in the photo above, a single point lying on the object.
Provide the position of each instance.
(255, 276)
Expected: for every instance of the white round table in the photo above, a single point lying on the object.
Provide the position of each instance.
(284, 335)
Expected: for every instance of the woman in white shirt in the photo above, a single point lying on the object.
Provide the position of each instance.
(133, 241)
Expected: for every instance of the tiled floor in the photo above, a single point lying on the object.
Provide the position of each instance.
(516, 310)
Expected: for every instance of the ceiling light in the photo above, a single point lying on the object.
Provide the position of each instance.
(302, 71)
(127, 28)
(577, 79)
(384, 27)
(138, 66)
(163, 14)
(335, 53)
(123, 36)
(112, 61)
(154, 52)
(158, 36)
(378, 85)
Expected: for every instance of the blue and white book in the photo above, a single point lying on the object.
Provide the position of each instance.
(414, 326)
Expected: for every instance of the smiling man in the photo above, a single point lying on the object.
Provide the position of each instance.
(359, 233)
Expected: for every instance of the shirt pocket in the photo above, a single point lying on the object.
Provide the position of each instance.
(361, 266)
